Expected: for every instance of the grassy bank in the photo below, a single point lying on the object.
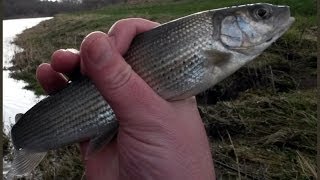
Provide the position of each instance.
(264, 135)
(66, 31)
(261, 121)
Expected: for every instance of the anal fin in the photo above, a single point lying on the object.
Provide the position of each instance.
(24, 162)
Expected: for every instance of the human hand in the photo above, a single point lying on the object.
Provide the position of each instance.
(157, 139)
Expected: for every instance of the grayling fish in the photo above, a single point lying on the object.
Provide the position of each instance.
(178, 59)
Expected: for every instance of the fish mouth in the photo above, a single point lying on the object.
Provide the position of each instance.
(284, 28)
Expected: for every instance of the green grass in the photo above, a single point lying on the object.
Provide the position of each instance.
(260, 121)
(67, 31)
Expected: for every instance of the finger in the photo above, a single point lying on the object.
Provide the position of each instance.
(123, 89)
(123, 31)
(50, 80)
(67, 62)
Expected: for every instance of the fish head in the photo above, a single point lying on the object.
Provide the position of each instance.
(239, 34)
(250, 29)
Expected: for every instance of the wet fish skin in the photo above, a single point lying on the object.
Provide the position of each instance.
(178, 59)
(191, 54)
(64, 117)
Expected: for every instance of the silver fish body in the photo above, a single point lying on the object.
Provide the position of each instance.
(63, 118)
(178, 59)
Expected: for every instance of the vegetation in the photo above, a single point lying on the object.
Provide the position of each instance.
(36, 8)
(261, 121)
(5, 144)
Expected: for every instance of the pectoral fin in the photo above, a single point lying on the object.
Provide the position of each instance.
(24, 162)
(217, 57)
(98, 142)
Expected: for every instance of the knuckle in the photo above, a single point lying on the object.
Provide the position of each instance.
(120, 77)
(124, 23)
(120, 24)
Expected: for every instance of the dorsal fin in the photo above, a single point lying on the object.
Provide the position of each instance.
(18, 116)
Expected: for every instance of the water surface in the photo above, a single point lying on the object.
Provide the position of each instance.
(15, 98)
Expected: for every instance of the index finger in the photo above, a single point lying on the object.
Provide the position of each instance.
(122, 33)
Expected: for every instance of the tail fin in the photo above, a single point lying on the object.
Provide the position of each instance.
(24, 162)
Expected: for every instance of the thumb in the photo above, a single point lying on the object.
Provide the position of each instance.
(121, 87)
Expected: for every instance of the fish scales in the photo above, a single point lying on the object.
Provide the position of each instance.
(57, 125)
(178, 46)
(178, 59)
(67, 123)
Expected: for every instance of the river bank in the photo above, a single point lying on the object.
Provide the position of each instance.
(261, 121)
(15, 98)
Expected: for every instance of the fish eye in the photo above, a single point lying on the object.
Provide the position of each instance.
(262, 13)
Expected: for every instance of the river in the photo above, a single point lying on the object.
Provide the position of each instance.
(15, 98)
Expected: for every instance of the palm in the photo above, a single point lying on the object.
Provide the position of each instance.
(157, 139)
